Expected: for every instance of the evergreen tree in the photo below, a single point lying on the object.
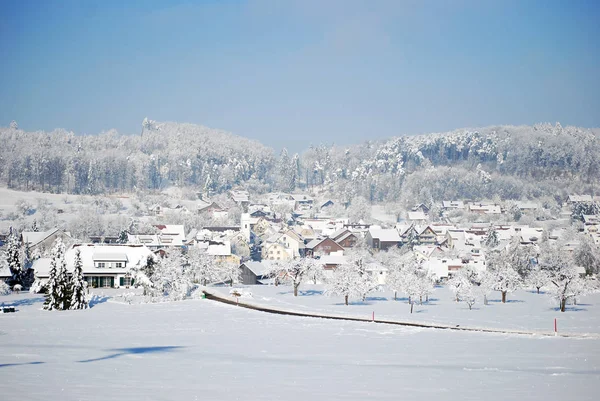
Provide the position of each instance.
(52, 286)
(63, 282)
(78, 298)
(34, 226)
(491, 239)
(150, 267)
(123, 237)
(13, 259)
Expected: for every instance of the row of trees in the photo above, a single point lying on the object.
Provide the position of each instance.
(176, 276)
(508, 269)
(64, 292)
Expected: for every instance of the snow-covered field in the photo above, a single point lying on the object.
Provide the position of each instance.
(524, 309)
(200, 349)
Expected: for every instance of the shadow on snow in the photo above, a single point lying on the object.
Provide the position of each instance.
(24, 302)
(97, 299)
(133, 351)
(6, 365)
(508, 301)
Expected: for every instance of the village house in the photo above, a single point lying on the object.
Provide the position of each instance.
(484, 208)
(382, 239)
(453, 204)
(168, 236)
(345, 238)
(275, 251)
(43, 241)
(253, 273)
(323, 246)
(107, 266)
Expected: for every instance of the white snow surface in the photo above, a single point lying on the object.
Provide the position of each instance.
(204, 350)
(524, 310)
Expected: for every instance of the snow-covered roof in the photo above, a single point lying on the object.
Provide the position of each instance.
(302, 198)
(134, 255)
(527, 205)
(384, 234)
(34, 238)
(417, 216)
(259, 268)
(335, 258)
(109, 256)
(456, 204)
(223, 249)
(580, 198)
(314, 243)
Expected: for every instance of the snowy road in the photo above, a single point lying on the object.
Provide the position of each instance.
(205, 350)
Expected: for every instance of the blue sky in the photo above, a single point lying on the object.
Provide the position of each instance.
(292, 73)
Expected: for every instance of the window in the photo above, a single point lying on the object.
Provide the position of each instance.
(101, 264)
(119, 264)
(278, 252)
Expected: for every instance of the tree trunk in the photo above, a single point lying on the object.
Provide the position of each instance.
(295, 290)
(420, 299)
(427, 298)
(538, 290)
(485, 301)
(503, 297)
(470, 306)
(346, 299)
(563, 304)
(395, 295)
(409, 299)
(574, 301)
(411, 307)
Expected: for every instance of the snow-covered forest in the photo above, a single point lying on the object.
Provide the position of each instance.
(508, 162)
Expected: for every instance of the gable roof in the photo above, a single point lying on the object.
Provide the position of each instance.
(34, 238)
(385, 234)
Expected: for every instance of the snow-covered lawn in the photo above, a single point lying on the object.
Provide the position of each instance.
(524, 310)
(204, 350)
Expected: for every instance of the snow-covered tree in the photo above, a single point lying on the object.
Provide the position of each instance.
(64, 284)
(491, 239)
(78, 285)
(345, 282)
(171, 278)
(123, 237)
(461, 284)
(4, 288)
(13, 258)
(55, 288)
(296, 271)
(502, 275)
(229, 272)
(142, 277)
(359, 209)
(203, 267)
(537, 278)
(564, 280)
(37, 286)
(587, 255)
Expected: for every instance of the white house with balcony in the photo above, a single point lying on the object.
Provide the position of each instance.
(105, 266)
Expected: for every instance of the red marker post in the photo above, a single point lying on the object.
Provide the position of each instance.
(373, 315)
(555, 328)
